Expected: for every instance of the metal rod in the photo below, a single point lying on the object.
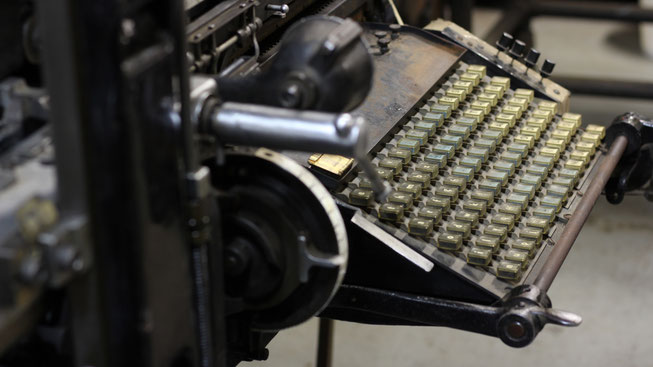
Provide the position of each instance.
(325, 343)
(307, 131)
(606, 87)
(573, 227)
(593, 10)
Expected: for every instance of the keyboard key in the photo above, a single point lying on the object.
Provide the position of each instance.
(520, 257)
(449, 101)
(572, 117)
(420, 227)
(490, 242)
(472, 162)
(458, 182)
(501, 232)
(506, 220)
(528, 94)
(428, 168)
(393, 164)
(411, 145)
(479, 256)
(548, 106)
(486, 107)
(477, 206)
(443, 110)
(403, 154)
(437, 158)
(455, 141)
(531, 233)
(445, 149)
(449, 192)
(494, 89)
(467, 217)
(490, 98)
(471, 77)
(465, 172)
(512, 209)
(436, 118)
(401, 198)
(439, 202)
(509, 270)
(434, 214)
(501, 82)
(421, 136)
(489, 185)
(596, 129)
(519, 199)
(486, 196)
(526, 189)
(412, 188)
(524, 245)
(532, 179)
(450, 241)
(477, 69)
(496, 175)
(545, 212)
(461, 228)
(465, 85)
(428, 127)
(361, 197)
(391, 212)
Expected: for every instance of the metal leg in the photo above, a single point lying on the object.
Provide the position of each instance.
(325, 343)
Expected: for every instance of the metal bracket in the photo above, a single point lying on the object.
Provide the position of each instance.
(635, 169)
(516, 319)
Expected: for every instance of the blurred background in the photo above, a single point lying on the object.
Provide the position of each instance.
(604, 55)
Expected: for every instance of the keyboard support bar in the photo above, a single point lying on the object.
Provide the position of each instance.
(575, 224)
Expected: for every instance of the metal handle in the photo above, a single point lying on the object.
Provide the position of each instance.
(280, 128)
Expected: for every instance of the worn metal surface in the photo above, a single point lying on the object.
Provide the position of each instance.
(412, 67)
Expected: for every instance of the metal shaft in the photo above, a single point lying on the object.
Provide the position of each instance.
(573, 227)
(308, 131)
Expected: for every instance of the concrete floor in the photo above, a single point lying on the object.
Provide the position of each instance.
(607, 278)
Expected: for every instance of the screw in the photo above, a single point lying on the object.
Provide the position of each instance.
(383, 45)
(291, 96)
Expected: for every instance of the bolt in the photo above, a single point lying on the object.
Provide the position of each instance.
(516, 330)
(283, 8)
(291, 96)
(344, 124)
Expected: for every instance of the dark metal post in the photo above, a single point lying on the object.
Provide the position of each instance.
(571, 231)
(325, 343)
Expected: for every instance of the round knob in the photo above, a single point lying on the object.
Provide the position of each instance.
(380, 34)
(383, 44)
(547, 68)
(532, 57)
(505, 41)
(395, 28)
(517, 49)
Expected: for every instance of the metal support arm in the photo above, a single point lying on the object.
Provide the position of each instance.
(516, 319)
